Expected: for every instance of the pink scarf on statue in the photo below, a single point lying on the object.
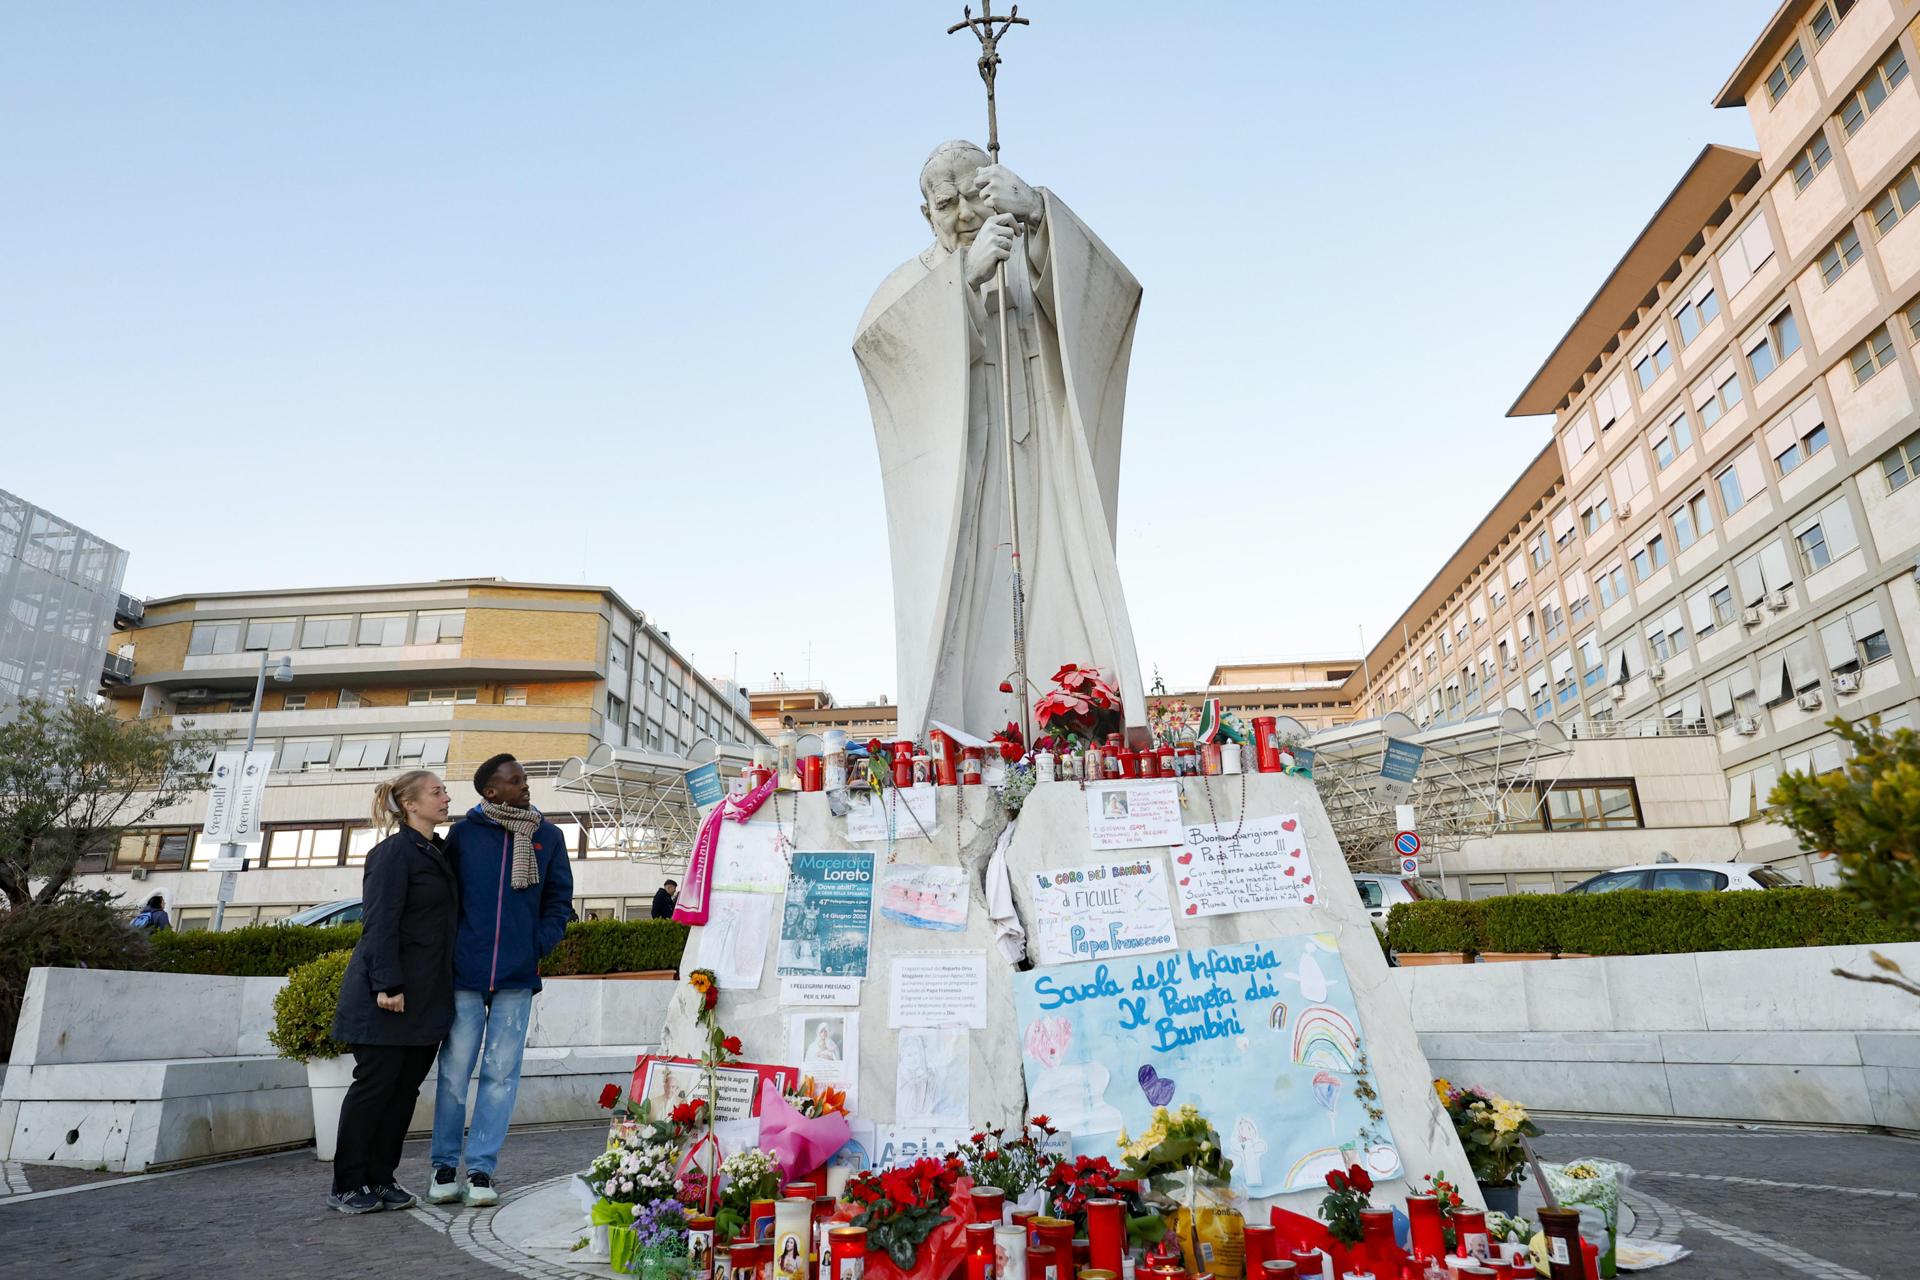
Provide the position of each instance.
(692, 905)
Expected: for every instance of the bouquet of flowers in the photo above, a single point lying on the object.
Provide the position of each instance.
(1014, 1164)
(1449, 1200)
(639, 1171)
(1182, 1161)
(1071, 1183)
(904, 1210)
(659, 1235)
(1083, 702)
(745, 1176)
(1490, 1129)
(802, 1139)
(1346, 1196)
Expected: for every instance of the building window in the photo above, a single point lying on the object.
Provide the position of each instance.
(442, 697)
(1802, 449)
(1855, 638)
(440, 628)
(1675, 440)
(1785, 72)
(516, 696)
(1901, 463)
(1838, 256)
(1731, 497)
(616, 712)
(1813, 548)
(656, 680)
(1720, 393)
(1612, 585)
(1698, 311)
(1692, 520)
(423, 750)
(326, 633)
(350, 699)
(1650, 559)
(300, 755)
(1814, 157)
(1897, 201)
(363, 753)
(1721, 602)
(214, 637)
(1826, 16)
(304, 846)
(1556, 619)
(1767, 348)
(617, 653)
(1873, 90)
(1873, 354)
(383, 630)
(1912, 315)
(153, 847)
(1591, 806)
(269, 633)
(1597, 513)
(294, 702)
(1732, 698)
(1655, 359)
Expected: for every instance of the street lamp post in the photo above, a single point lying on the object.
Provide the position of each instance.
(282, 674)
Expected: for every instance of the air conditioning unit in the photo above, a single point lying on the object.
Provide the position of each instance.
(1626, 511)
(1777, 601)
(1750, 618)
(1656, 672)
(1746, 726)
(1846, 682)
(1809, 701)
(1620, 693)
(1512, 664)
(138, 873)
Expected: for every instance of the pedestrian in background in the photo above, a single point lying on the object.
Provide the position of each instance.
(153, 917)
(664, 898)
(517, 902)
(396, 1001)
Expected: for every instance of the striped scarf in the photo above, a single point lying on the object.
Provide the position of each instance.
(522, 823)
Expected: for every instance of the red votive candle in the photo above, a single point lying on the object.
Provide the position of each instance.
(1149, 764)
(1057, 1234)
(987, 1203)
(1082, 1255)
(1470, 1234)
(1427, 1233)
(1040, 1263)
(1260, 1243)
(1106, 1234)
(980, 1251)
(1309, 1262)
(1276, 1269)
(760, 1220)
(812, 772)
(848, 1246)
(1376, 1227)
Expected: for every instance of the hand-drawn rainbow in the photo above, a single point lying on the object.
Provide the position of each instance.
(1324, 1038)
(1277, 1016)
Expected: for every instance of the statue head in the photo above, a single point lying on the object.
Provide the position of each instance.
(953, 207)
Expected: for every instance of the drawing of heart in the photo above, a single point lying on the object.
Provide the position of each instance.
(1288, 825)
(1293, 853)
(1309, 899)
(1289, 870)
(1186, 880)
(1184, 859)
(1306, 879)
(1048, 1038)
(1158, 1088)
(1193, 910)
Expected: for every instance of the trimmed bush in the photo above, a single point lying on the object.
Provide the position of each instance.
(303, 1009)
(616, 946)
(258, 951)
(1641, 922)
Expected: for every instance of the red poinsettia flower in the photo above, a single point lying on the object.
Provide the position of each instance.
(731, 1044)
(609, 1096)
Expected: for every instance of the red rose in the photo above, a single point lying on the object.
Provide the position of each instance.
(1337, 1180)
(874, 746)
(1361, 1179)
(731, 1044)
(609, 1096)
(710, 998)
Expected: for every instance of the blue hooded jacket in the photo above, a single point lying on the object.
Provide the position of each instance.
(505, 931)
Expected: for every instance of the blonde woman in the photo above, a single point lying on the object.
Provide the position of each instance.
(396, 1002)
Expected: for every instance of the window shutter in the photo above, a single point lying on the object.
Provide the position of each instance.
(1691, 705)
(1753, 588)
(1775, 566)
(1780, 435)
(1700, 607)
(1828, 756)
(1537, 680)
(1807, 416)
(1574, 583)
(1836, 519)
(1720, 697)
(1802, 669)
(1637, 470)
(1517, 572)
(1563, 521)
(1773, 678)
(1477, 608)
(1753, 480)
(1836, 642)
(1798, 762)
(1865, 620)
(1562, 666)
(1763, 779)
(1704, 392)
(1740, 797)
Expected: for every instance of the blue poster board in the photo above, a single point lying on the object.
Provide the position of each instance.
(703, 784)
(1262, 1037)
(828, 916)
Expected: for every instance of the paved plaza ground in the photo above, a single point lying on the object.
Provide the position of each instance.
(1753, 1204)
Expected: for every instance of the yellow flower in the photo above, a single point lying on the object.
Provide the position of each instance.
(1504, 1123)
(1443, 1087)
(1123, 1140)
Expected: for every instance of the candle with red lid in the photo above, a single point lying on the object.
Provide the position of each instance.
(1427, 1233)
(980, 1251)
(987, 1203)
(1106, 1234)
(1057, 1234)
(1040, 1263)
(848, 1247)
(1470, 1234)
(1261, 1244)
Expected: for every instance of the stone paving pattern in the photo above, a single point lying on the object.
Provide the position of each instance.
(1751, 1204)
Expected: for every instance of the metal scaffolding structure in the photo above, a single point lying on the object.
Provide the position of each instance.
(637, 803)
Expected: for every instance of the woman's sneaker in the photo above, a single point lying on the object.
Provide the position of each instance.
(480, 1192)
(359, 1200)
(394, 1196)
(445, 1187)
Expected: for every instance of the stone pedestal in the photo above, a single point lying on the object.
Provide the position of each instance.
(1052, 832)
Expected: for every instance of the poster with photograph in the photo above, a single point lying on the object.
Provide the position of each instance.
(932, 1086)
(1257, 865)
(1102, 909)
(1133, 815)
(733, 942)
(826, 1045)
(828, 915)
(922, 897)
(910, 813)
(669, 1082)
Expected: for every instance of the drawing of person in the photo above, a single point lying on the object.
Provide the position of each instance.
(1248, 1146)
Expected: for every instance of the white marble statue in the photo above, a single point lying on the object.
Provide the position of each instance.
(928, 350)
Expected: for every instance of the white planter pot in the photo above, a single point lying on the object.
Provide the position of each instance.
(327, 1081)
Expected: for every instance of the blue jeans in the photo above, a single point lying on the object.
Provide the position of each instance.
(503, 1025)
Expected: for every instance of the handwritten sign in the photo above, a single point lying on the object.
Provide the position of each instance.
(1133, 815)
(1100, 910)
(746, 859)
(1258, 865)
(1263, 1036)
(924, 897)
(909, 812)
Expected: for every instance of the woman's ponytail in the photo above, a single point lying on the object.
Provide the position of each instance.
(389, 796)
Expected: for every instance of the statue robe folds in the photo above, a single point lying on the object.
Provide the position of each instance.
(928, 350)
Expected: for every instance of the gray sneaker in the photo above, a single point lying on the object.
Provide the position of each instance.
(394, 1196)
(480, 1192)
(359, 1200)
(445, 1187)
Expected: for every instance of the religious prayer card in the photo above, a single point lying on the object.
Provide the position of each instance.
(828, 915)
(746, 859)
(826, 1045)
(1133, 815)
(925, 897)
(733, 942)
(811, 991)
(1263, 1035)
(1102, 909)
(933, 1082)
(910, 812)
(939, 989)
(1262, 867)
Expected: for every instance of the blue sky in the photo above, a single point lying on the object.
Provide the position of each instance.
(310, 294)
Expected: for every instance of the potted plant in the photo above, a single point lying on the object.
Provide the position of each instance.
(303, 1031)
(1016, 1165)
(1522, 926)
(905, 1212)
(1490, 1129)
(1434, 932)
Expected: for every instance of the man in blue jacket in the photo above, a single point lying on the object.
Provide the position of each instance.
(516, 896)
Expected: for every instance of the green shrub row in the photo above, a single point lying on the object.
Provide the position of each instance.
(257, 951)
(1640, 922)
(616, 946)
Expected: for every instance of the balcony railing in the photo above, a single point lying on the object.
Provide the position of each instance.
(1645, 727)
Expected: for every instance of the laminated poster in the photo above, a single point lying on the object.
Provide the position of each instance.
(910, 812)
(1133, 815)
(826, 1045)
(828, 914)
(932, 1087)
(668, 1082)
(733, 941)
(925, 897)
(1263, 1037)
(1101, 910)
(938, 989)
(1263, 868)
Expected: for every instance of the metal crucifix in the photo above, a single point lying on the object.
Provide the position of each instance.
(989, 29)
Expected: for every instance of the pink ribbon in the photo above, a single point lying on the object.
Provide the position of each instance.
(692, 905)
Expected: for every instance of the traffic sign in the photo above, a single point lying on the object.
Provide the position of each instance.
(1407, 844)
(229, 881)
(1409, 866)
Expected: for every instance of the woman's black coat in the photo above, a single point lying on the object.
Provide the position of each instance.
(410, 908)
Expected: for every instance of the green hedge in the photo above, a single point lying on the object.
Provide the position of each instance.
(1641, 922)
(258, 951)
(616, 946)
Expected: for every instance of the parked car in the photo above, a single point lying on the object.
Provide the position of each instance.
(345, 911)
(1698, 876)
(1378, 893)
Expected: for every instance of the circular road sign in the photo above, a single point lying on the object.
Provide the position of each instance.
(1407, 844)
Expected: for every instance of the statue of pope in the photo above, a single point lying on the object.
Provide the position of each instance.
(929, 353)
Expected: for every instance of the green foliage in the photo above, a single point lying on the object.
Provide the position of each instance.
(1642, 922)
(73, 776)
(258, 951)
(303, 1010)
(1867, 815)
(1435, 925)
(71, 931)
(616, 946)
